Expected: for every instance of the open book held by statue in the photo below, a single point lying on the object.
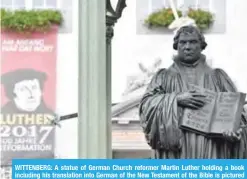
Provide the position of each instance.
(221, 112)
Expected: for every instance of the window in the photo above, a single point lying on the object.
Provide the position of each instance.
(195, 4)
(13, 4)
(217, 7)
(65, 6)
(199, 4)
(45, 4)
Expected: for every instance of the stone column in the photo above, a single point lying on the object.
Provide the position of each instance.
(96, 21)
(94, 140)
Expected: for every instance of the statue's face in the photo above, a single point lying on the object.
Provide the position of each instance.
(189, 47)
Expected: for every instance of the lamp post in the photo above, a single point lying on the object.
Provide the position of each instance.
(111, 18)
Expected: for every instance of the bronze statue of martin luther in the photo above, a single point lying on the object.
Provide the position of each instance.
(168, 94)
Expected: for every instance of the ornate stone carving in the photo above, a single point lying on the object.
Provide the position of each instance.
(137, 81)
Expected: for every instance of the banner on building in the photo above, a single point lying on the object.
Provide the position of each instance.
(28, 95)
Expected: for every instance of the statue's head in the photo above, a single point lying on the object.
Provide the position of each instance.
(189, 42)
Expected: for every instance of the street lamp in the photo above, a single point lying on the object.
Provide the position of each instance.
(112, 16)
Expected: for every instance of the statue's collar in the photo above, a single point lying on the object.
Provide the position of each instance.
(201, 60)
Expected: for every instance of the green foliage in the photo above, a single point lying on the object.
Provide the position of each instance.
(164, 17)
(203, 19)
(25, 21)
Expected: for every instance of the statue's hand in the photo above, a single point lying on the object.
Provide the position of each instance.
(233, 136)
(192, 99)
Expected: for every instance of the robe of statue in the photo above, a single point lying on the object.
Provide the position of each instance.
(160, 114)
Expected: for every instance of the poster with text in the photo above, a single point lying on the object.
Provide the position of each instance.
(28, 95)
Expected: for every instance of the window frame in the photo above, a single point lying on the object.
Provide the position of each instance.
(12, 5)
(180, 3)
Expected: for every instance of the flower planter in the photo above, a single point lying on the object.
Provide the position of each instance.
(164, 17)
